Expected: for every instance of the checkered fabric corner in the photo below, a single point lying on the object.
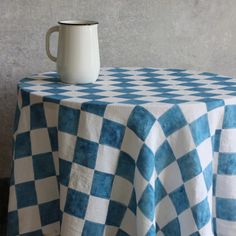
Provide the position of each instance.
(141, 152)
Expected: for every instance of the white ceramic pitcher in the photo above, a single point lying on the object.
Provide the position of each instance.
(78, 59)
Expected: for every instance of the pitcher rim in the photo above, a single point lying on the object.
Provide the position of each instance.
(77, 22)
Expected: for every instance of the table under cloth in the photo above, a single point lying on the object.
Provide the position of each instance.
(143, 151)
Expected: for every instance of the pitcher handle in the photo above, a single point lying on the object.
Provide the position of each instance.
(48, 34)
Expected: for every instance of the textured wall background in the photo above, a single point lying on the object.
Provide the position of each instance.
(195, 34)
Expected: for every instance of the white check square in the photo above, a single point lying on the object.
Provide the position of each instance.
(81, 178)
(97, 209)
(155, 137)
(225, 186)
(107, 159)
(187, 223)
(169, 180)
(12, 199)
(76, 225)
(207, 229)
(215, 117)
(47, 189)
(204, 151)
(119, 114)
(56, 162)
(51, 229)
(121, 190)
(51, 114)
(226, 140)
(131, 143)
(223, 226)
(110, 230)
(35, 98)
(165, 212)
(23, 170)
(128, 223)
(67, 143)
(196, 190)
(29, 219)
(191, 114)
(143, 224)
(63, 194)
(90, 126)
(40, 141)
(181, 141)
(24, 121)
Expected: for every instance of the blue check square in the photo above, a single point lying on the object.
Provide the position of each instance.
(117, 69)
(164, 156)
(76, 203)
(12, 224)
(37, 116)
(173, 101)
(172, 120)
(93, 97)
(214, 184)
(25, 98)
(146, 204)
(43, 165)
(34, 233)
(56, 98)
(92, 228)
(53, 138)
(179, 199)
(160, 191)
(190, 165)
(86, 153)
(49, 212)
(17, 119)
(112, 133)
(23, 145)
(195, 234)
(216, 140)
(172, 228)
(134, 101)
(64, 171)
(120, 232)
(229, 117)
(151, 231)
(120, 75)
(146, 162)
(227, 164)
(213, 226)
(126, 166)
(213, 103)
(102, 184)
(132, 202)
(141, 121)
(200, 129)
(116, 212)
(226, 209)
(201, 213)
(68, 120)
(97, 108)
(208, 176)
(12, 179)
(26, 194)
(56, 91)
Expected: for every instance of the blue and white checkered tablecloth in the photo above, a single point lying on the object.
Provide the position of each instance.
(143, 151)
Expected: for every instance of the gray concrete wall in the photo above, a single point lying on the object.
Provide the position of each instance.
(195, 34)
